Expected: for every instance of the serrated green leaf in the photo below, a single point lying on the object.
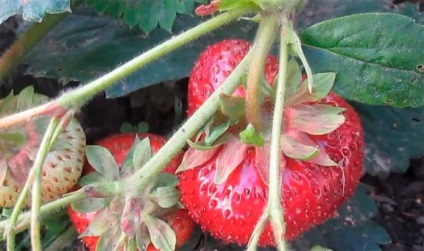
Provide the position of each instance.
(249, 136)
(24, 99)
(146, 14)
(201, 146)
(102, 44)
(142, 153)
(103, 162)
(375, 65)
(166, 180)
(392, 137)
(32, 10)
(297, 150)
(161, 234)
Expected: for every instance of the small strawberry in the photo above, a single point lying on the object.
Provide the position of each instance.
(19, 145)
(223, 184)
(153, 216)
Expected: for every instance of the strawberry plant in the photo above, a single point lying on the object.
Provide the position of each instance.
(292, 106)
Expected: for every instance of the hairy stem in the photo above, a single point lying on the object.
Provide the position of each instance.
(141, 178)
(77, 97)
(24, 219)
(262, 45)
(276, 210)
(14, 55)
(36, 198)
(33, 175)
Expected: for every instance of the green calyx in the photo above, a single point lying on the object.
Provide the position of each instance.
(130, 219)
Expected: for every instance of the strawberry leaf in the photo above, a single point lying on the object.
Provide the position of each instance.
(131, 216)
(24, 99)
(142, 153)
(109, 239)
(193, 158)
(103, 221)
(249, 136)
(375, 65)
(166, 197)
(233, 4)
(161, 234)
(215, 133)
(166, 179)
(128, 167)
(315, 119)
(294, 77)
(32, 10)
(232, 106)
(262, 161)
(91, 178)
(90, 204)
(296, 150)
(323, 82)
(103, 162)
(14, 139)
(201, 146)
(322, 159)
(232, 155)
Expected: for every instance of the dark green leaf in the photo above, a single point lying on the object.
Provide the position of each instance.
(103, 162)
(55, 224)
(392, 137)
(352, 229)
(147, 14)
(94, 177)
(32, 10)
(375, 64)
(84, 46)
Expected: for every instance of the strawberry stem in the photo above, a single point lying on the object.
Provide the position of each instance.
(263, 42)
(34, 174)
(77, 97)
(273, 209)
(139, 180)
(24, 219)
(276, 210)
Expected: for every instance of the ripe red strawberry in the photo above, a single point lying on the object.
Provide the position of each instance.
(120, 145)
(19, 145)
(312, 189)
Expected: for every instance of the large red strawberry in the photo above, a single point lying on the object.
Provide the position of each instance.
(19, 145)
(225, 186)
(122, 148)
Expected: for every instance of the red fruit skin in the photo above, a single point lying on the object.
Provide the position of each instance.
(213, 67)
(119, 145)
(310, 193)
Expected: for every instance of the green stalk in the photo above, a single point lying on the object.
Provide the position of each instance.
(24, 219)
(141, 178)
(276, 211)
(19, 49)
(263, 42)
(34, 174)
(77, 97)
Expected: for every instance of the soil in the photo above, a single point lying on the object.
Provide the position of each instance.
(400, 197)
